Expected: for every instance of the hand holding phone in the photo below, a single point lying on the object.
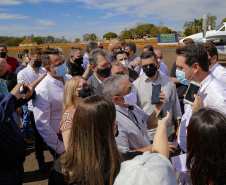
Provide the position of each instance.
(155, 94)
(25, 90)
(166, 107)
(193, 88)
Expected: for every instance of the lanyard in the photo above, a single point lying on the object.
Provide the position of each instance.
(136, 123)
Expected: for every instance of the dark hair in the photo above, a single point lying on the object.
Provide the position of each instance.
(24, 52)
(132, 46)
(188, 41)
(120, 52)
(148, 54)
(149, 47)
(46, 57)
(211, 48)
(35, 50)
(123, 43)
(3, 46)
(206, 147)
(91, 45)
(194, 54)
(92, 156)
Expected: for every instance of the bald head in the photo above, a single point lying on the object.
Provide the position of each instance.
(158, 54)
(3, 66)
(112, 48)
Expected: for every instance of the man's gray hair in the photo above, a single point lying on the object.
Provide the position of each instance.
(73, 51)
(111, 86)
(91, 45)
(93, 57)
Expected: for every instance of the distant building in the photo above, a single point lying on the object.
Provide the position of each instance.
(28, 43)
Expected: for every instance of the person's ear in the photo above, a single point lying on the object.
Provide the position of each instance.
(196, 67)
(214, 59)
(118, 100)
(47, 68)
(71, 56)
(93, 67)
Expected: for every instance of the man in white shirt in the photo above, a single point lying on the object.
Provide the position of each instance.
(48, 104)
(163, 68)
(101, 66)
(192, 64)
(144, 84)
(91, 45)
(217, 70)
(32, 75)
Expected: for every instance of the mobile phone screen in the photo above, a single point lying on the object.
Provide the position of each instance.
(155, 94)
(193, 89)
(166, 107)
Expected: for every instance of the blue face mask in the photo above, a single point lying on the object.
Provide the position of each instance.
(181, 76)
(61, 70)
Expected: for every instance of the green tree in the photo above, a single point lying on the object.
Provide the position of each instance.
(188, 31)
(86, 37)
(126, 34)
(93, 37)
(223, 20)
(165, 30)
(211, 20)
(110, 35)
(50, 39)
(141, 29)
(38, 39)
(77, 40)
(154, 31)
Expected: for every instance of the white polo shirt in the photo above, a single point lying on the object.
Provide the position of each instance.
(219, 72)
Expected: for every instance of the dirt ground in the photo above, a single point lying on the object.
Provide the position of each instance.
(32, 176)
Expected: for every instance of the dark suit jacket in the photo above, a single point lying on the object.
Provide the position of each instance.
(97, 88)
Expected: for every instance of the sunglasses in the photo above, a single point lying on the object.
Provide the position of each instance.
(150, 66)
(84, 86)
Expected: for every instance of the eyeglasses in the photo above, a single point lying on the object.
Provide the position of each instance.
(84, 86)
(150, 66)
(131, 89)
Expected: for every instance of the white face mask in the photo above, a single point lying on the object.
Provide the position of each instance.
(131, 98)
(160, 60)
(27, 60)
(125, 63)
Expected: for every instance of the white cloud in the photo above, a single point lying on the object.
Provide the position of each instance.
(18, 28)
(108, 15)
(12, 16)
(3, 9)
(53, 1)
(10, 2)
(67, 15)
(92, 23)
(79, 17)
(45, 22)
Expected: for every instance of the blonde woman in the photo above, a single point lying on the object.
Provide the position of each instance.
(74, 91)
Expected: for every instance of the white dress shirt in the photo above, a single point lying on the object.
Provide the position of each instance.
(48, 107)
(219, 72)
(85, 64)
(29, 76)
(143, 86)
(213, 95)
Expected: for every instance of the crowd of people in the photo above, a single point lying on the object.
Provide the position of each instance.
(96, 116)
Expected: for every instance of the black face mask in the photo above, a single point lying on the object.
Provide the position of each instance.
(150, 72)
(127, 53)
(79, 61)
(2, 54)
(209, 61)
(101, 47)
(37, 63)
(104, 72)
(83, 93)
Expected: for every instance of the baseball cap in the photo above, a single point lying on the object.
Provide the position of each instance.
(149, 168)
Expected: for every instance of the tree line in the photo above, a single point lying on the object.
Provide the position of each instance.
(140, 30)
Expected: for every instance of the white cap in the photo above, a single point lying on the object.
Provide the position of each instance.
(149, 168)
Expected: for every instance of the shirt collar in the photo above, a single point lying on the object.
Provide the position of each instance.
(214, 67)
(134, 56)
(206, 82)
(55, 81)
(121, 109)
(147, 79)
(101, 83)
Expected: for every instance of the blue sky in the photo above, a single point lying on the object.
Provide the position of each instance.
(73, 18)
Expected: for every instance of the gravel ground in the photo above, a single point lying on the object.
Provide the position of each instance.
(32, 176)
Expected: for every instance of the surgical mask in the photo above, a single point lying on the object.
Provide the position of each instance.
(78, 61)
(37, 63)
(131, 98)
(160, 60)
(101, 47)
(181, 76)
(61, 70)
(104, 72)
(85, 92)
(2, 54)
(27, 60)
(150, 72)
(125, 63)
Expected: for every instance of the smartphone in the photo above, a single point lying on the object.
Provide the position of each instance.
(25, 90)
(193, 88)
(155, 93)
(166, 107)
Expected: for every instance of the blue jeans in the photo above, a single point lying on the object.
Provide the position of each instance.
(26, 121)
(16, 118)
(12, 177)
